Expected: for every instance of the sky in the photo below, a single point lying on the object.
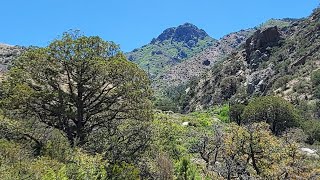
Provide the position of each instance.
(133, 23)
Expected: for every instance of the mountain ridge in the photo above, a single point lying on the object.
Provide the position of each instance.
(273, 61)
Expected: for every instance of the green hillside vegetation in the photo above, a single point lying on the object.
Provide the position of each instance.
(280, 23)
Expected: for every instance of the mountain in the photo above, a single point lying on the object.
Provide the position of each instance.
(181, 72)
(273, 61)
(201, 62)
(173, 46)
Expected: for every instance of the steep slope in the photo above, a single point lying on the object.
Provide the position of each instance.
(173, 46)
(272, 61)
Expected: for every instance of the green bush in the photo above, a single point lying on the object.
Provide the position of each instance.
(236, 111)
(281, 82)
(185, 170)
(124, 171)
(315, 78)
(312, 129)
(223, 112)
(317, 92)
(275, 111)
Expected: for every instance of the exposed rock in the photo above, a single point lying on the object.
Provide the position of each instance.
(7, 54)
(257, 45)
(168, 112)
(156, 52)
(257, 81)
(187, 33)
(309, 152)
(197, 65)
(185, 124)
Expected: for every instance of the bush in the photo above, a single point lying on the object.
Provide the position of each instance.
(223, 113)
(186, 170)
(275, 111)
(315, 78)
(282, 82)
(317, 92)
(236, 111)
(312, 129)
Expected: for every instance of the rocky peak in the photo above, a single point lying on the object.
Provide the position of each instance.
(186, 33)
(260, 40)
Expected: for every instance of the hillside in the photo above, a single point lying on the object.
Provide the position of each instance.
(173, 46)
(195, 66)
(7, 54)
(272, 61)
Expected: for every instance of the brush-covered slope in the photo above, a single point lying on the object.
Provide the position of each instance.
(272, 61)
(173, 46)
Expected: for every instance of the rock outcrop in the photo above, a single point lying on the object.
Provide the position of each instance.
(186, 33)
(258, 45)
(7, 54)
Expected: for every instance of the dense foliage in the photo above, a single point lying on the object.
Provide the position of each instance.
(79, 91)
(277, 112)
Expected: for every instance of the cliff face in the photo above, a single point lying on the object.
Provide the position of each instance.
(277, 61)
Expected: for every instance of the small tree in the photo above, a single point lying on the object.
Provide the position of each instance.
(236, 111)
(275, 111)
(82, 86)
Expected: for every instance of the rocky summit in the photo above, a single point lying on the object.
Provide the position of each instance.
(171, 47)
(187, 33)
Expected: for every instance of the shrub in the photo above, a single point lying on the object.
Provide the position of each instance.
(315, 78)
(275, 111)
(312, 129)
(236, 111)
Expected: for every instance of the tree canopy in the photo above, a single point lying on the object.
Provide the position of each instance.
(84, 87)
(275, 111)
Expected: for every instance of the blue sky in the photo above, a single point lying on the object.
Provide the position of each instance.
(133, 23)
